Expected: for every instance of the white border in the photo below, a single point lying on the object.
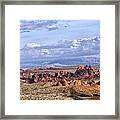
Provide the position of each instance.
(106, 15)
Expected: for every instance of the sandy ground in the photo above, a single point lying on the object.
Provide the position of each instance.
(37, 92)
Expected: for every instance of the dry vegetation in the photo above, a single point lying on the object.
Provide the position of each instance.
(37, 92)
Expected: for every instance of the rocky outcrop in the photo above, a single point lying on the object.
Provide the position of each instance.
(88, 92)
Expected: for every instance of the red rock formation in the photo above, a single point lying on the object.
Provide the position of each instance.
(83, 75)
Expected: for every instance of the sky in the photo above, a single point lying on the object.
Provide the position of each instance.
(47, 32)
(59, 42)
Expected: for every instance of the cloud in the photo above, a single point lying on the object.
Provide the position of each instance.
(32, 45)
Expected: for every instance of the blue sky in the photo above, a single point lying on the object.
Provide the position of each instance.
(48, 32)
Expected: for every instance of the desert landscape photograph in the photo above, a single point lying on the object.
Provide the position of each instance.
(59, 60)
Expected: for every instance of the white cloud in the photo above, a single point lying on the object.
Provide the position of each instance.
(32, 45)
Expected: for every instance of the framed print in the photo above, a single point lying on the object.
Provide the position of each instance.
(60, 59)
